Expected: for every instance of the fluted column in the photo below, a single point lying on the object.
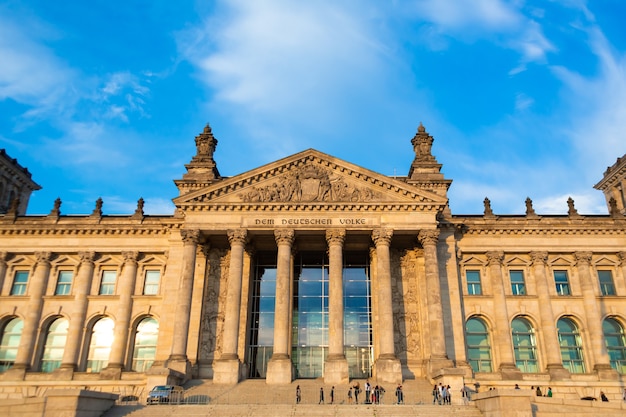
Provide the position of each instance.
(387, 366)
(191, 239)
(82, 285)
(336, 366)
(37, 288)
(548, 327)
(279, 369)
(602, 363)
(502, 332)
(226, 369)
(3, 269)
(439, 357)
(126, 288)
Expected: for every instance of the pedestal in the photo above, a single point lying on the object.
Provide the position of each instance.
(226, 371)
(388, 371)
(558, 372)
(509, 371)
(279, 372)
(606, 373)
(336, 372)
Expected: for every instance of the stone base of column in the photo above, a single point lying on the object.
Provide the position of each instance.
(65, 372)
(388, 370)
(279, 371)
(605, 372)
(336, 371)
(15, 373)
(558, 372)
(159, 374)
(509, 371)
(226, 371)
(437, 364)
(180, 365)
(113, 371)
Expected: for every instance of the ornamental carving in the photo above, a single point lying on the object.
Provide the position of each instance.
(335, 236)
(495, 257)
(428, 237)
(382, 236)
(190, 236)
(43, 258)
(237, 236)
(539, 258)
(284, 236)
(583, 258)
(309, 183)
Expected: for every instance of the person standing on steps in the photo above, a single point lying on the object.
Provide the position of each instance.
(349, 395)
(298, 394)
(332, 394)
(357, 391)
(321, 395)
(399, 395)
(368, 389)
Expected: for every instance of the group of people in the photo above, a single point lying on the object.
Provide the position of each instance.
(373, 394)
(442, 394)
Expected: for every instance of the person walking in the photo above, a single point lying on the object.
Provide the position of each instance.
(357, 391)
(349, 395)
(321, 395)
(298, 394)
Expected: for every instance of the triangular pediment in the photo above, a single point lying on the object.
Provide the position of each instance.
(310, 179)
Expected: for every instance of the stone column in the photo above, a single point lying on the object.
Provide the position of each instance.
(279, 368)
(76, 328)
(37, 289)
(548, 327)
(438, 353)
(502, 333)
(126, 289)
(387, 367)
(336, 366)
(602, 363)
(3, 269)
(227, 368)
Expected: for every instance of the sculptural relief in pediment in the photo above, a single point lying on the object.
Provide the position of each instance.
(309, 183)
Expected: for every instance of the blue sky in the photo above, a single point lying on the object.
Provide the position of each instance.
(524, 98)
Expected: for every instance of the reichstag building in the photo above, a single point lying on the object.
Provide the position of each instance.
(311, 267)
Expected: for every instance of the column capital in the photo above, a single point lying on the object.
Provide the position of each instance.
(495, 257)
(130, 257)
(284, 236)
(237, 236)
(190, 236)
(87, 257)
(43, 257)
(622, 258)
(335, 236)
(382, 235)
(583, 257)
(428, 237)
(538, 257)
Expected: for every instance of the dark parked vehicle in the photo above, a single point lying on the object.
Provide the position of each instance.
(165, 394)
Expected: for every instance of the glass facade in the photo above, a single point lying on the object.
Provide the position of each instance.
(146, 339)
(9, 343)
(615, 344)
(100, 345)
(478, 346)
(56, 338)
(310, 315)
(571, 348)
(524, 345)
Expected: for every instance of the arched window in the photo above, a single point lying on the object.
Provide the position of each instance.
(55, 345)
(11, 334)
(478, 348)
(144, 351)
(524, 345)
(615, 344)
(571, 346)
(100, 345)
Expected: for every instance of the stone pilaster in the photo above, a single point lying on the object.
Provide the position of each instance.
(37, 288)
(227, 368)
(502, 333)
(336, 366)
(387, 367)
(3, 269)
(82, 285)
(548, 328)
(602, 363)
(438, 354)
(279, 368)
(126, 288)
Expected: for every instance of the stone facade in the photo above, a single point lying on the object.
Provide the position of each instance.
(226, 287)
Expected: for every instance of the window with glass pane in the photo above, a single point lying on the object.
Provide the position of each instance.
(524, 345)
(10, 341)
(19, 283)
(64, 283)
(571, 347)
(54, 346)
(100, 345)
(518, 286)
(151, 283)
(261, 331)
(473, 282)
(606, 282)
(107, 283)
(615, 344)
(478, 347)
(146, 339)
(562, 282)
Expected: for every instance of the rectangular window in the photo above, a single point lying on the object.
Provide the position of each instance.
(606, 282)
(19, 283)
(473, 282)
(518, 286)
(107, 284)
(151, 283)
(562, 283)
(64, 283)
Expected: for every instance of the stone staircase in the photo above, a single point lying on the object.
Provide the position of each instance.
(255, 397)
